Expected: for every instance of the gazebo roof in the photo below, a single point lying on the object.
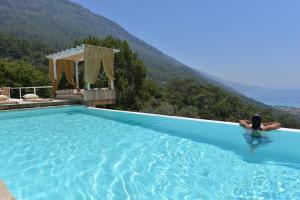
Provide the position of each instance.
(75, 54)
(69, 54)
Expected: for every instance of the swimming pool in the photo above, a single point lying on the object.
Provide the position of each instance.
(81, 153)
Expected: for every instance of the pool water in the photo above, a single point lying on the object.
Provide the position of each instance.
(80, 153)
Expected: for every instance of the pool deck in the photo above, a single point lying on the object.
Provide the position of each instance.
(20, 104)
(5, 193)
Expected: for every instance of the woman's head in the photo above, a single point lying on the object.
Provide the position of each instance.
(256, 121)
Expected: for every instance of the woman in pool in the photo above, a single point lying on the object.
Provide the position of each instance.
(257, 126)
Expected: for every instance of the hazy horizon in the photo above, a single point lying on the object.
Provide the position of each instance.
(255, 43)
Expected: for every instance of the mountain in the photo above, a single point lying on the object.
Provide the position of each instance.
(59, 23)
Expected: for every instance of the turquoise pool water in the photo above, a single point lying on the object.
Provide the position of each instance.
(81, 153)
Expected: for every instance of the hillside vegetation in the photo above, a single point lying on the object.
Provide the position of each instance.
(24, 64)
(15, 73)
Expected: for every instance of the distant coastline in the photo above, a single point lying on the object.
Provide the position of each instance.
(289, 109)
(283, 95)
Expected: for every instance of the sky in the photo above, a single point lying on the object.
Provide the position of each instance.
(253, 42)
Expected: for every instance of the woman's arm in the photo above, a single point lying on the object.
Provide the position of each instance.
(271, 126)
(245, 124)
(268, 123)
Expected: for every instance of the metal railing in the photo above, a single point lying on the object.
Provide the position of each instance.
(34, 89)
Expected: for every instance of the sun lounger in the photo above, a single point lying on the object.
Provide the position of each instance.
(38, 100)
(34, 98)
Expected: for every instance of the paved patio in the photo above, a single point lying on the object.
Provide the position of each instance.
(5, 193)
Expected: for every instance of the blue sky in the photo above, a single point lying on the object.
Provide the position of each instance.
(253, 42)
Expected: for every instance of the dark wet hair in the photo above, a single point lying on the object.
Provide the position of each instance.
(256, 122)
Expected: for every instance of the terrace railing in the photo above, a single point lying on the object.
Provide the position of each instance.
(42, 91)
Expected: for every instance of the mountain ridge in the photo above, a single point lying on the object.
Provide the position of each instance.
(31, 19)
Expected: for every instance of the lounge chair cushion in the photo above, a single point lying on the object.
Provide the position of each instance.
(30, 96)
(3, 97)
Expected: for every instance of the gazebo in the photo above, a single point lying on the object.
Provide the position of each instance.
(94, 57)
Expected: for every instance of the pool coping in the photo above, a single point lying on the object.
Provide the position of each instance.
(148, 114)
(186, 118)
(5, 194)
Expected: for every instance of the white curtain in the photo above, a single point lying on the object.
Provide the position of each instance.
(93, 56)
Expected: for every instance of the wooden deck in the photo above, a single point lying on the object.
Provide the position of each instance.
(99, 97)
(93, 97)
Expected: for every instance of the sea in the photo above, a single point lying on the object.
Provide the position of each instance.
(282, 97)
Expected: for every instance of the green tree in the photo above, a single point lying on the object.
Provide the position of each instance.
(15, 73)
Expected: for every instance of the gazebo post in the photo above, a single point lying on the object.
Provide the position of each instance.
(55, 77)
(77, 74)
(54, 69)
(112, 85)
